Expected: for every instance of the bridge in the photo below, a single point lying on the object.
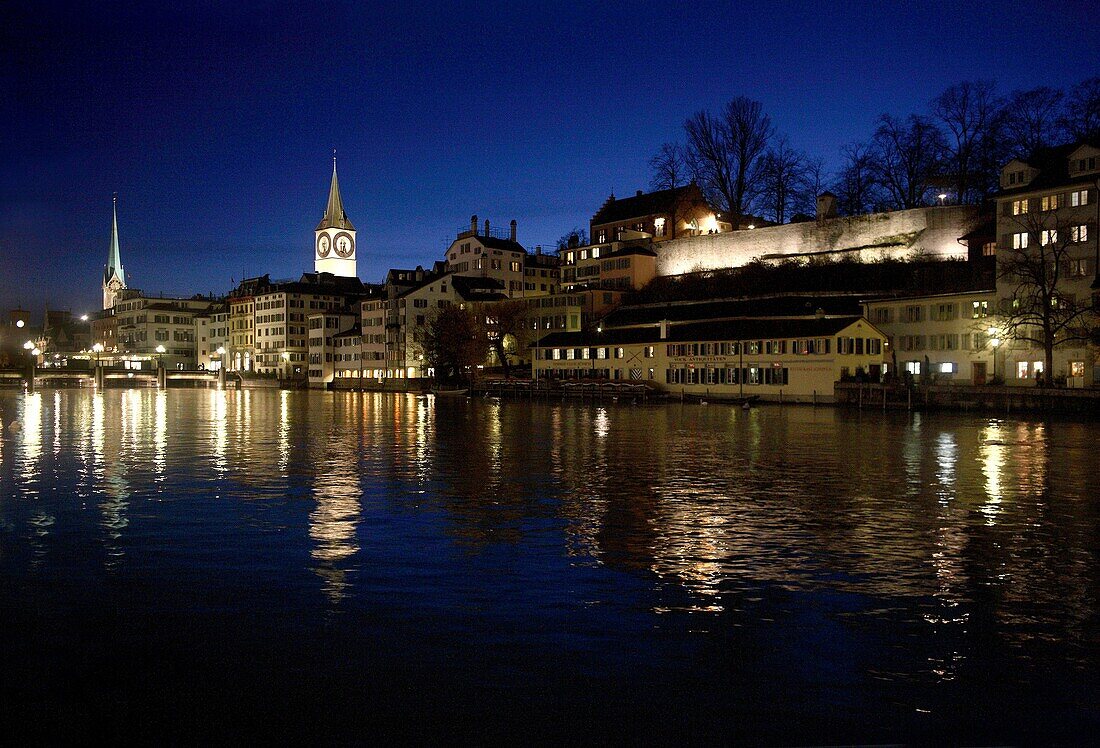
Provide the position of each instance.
(104, 376)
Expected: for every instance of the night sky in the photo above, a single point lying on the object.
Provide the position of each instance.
(216, 125)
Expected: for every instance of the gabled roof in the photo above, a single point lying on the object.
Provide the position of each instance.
(778, 306)
(335, 217)
(474, 288)
(493, 242)
(741, 329)
(1053, 167)
(645, 204)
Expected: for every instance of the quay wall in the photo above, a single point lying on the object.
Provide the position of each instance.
(1083, 402)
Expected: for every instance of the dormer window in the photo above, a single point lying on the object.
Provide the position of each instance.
(1016, 177)
(1086, 164)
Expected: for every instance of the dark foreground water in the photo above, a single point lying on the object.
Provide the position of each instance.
(188, 565)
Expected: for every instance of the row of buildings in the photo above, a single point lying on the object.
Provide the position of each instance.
(585, 317)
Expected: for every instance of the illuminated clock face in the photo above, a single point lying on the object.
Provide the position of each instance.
(323, 246)
(343, 245)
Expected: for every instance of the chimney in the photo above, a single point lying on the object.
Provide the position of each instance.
(538, 249)
(639, 194)
(486, 227)
(820, 313)
(512, 234)
(826, 206)
(473, 224)
(664, 329)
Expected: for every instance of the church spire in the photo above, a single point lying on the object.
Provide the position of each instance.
(114, 277)
(335, 217)
(114, 259)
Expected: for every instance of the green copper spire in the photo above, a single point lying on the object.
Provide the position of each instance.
(114, 259)
(335, 217)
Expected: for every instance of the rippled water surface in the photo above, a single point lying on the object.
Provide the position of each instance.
(184, 564)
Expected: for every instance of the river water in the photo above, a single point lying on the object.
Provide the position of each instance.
(192, 563)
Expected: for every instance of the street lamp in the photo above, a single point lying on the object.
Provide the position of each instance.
(84, 318)
(995, 342)
(161, 350)
(942, 196)
(221, 357)
(97, 349)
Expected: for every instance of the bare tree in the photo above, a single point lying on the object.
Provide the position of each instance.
(1081, 116)
(725, 153)
(578, 237)
(784, 172)
(1037, 267)
(506, 325)
(1032, 120)
(669, 167)
(971, 115)
(907, 158)
(455, 341)
(856, 187)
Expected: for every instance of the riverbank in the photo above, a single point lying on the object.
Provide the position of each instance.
(968, 397)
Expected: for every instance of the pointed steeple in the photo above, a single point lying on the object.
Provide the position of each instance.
(114, 259)
(335, 217)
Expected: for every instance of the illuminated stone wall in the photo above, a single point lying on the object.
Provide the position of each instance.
(933, 231)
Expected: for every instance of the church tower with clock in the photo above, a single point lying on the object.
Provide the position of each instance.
(334, 244)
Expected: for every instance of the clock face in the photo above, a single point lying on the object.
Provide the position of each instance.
(344, 245)
(323, 246)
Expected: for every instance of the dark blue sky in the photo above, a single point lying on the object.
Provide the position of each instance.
(215, 124)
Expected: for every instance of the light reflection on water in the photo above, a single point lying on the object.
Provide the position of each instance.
(968, 537)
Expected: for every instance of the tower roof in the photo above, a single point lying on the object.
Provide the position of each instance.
(335, 217)
(114, 259)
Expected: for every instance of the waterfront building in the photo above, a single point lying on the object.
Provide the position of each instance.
(488, 253)
(156, 329)
(412, 313)
(327, 349)
(794, 358)
(114, 276)
(620, 265)
(242, 321)
(1049, 203)
(281, 336)
(939, 338)
(570, 311)
(372, 326)
(334, 238)
(212, 337)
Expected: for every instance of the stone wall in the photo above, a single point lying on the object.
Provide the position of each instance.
(932, 231)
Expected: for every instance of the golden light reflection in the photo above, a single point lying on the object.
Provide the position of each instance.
(160, 433)
(992, 454)
(947, 458)
(218, 415)
(284, 430)
(333, 521)
(31, 441)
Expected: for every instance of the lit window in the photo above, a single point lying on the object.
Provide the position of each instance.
(1049, 202)
(1079, 197)
(1079, 233)
(948, 367)
(1019, 241)
(1077, 368)
(1019, 206)
(1048, 236)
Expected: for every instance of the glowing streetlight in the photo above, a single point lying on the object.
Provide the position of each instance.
(97, 349)
(19, 323)
(28, 345)
(84, 318)
(36, 351)
(942, 196)
(161, 350)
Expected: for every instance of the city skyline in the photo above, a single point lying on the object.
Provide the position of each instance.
(216, 128)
